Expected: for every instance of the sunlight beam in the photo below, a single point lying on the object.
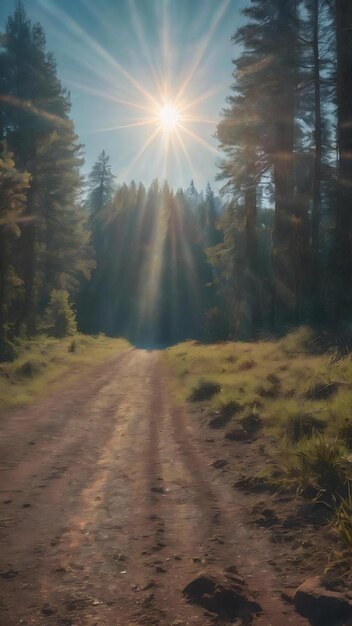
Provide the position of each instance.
(106, 56)
(202, 48)
(111, 128)
(140, 153)
(109, 96)
(199, 140)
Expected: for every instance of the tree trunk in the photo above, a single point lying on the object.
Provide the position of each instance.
(284, 296)
(344, 178)
(28, 242)
(283, 263)
(315, 233)
(252, 259)
(2, 280)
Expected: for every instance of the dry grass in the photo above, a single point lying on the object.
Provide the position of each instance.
(302, 397)
(45, 361)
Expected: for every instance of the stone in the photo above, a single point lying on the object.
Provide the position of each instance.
(320, 605)
(238, 434)
(219, 464)
(226, 598)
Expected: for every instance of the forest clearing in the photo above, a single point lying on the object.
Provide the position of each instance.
(176, 313)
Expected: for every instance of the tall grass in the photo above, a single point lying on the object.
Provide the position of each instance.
(45, 362)
(302, 398)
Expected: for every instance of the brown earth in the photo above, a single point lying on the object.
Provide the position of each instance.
(112, 502)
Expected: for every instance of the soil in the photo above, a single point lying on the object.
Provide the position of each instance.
(114, 499)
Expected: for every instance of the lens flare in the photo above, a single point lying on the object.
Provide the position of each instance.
(169, 117)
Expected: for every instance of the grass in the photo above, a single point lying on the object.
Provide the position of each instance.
(45, 362)
(343, 522)
(204, 390)
(298, 400)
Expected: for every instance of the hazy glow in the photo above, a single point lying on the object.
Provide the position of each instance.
(169, 117)
(168, 91)
(155, 85)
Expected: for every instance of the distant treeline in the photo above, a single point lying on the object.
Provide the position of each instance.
(158, 265)
(153, 282)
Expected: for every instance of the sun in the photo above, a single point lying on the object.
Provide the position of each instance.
(169, 117)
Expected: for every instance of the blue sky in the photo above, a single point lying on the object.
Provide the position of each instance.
(121, 58)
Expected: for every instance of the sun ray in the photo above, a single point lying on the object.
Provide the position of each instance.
(177, 153)
(106, 56)
(144, 122)
(143, 43)
(202, 48)
(166, 51)
(204, 96)
(167, 140)
(185, 152)
(199, 140)
(29, 106)
(199, 119)
(108, 96)
(140, 153)
(176, 115)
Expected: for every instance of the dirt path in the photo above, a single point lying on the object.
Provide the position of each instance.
(110, 506)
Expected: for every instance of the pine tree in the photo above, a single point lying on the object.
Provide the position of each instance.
(343, 248)
(258, 135)
(60, 319)
(100, 184)
(271, 35)
(39, 130)
(13, 190)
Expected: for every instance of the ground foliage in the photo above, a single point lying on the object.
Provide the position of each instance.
(274, 393)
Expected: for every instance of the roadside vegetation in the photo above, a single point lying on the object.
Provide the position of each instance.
(44, 362)
(29, 365)
(292, 399)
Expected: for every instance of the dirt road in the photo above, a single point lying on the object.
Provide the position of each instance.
(110, 506)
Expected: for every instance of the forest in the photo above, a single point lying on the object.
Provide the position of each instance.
(272, 251)
(176, 354)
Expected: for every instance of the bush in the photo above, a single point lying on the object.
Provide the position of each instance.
(73, 346)
(302, 339)
(204, 391)
(30, 368)
(251, 422)
(8, 350)
(346, 434)
(320, 390)
(321, 464)
(60, 319)
(224, 414)
(302, 425)
(343, 521)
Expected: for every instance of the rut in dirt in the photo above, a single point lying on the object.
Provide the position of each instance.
(113, 514)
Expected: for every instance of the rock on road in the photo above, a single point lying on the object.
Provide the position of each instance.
(110, 507)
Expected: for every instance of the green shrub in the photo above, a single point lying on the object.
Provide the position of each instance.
(300, 425)
(321, 464)
(8, 350)
(73, 346)
(251, 422)
(60, 320)
(320, 389)
(30, 368)
(346, 434)
(302, 339)
(204, 390)
(343, 521)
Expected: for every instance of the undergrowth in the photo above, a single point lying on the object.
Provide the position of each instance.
(44, 361)
(300, 394)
